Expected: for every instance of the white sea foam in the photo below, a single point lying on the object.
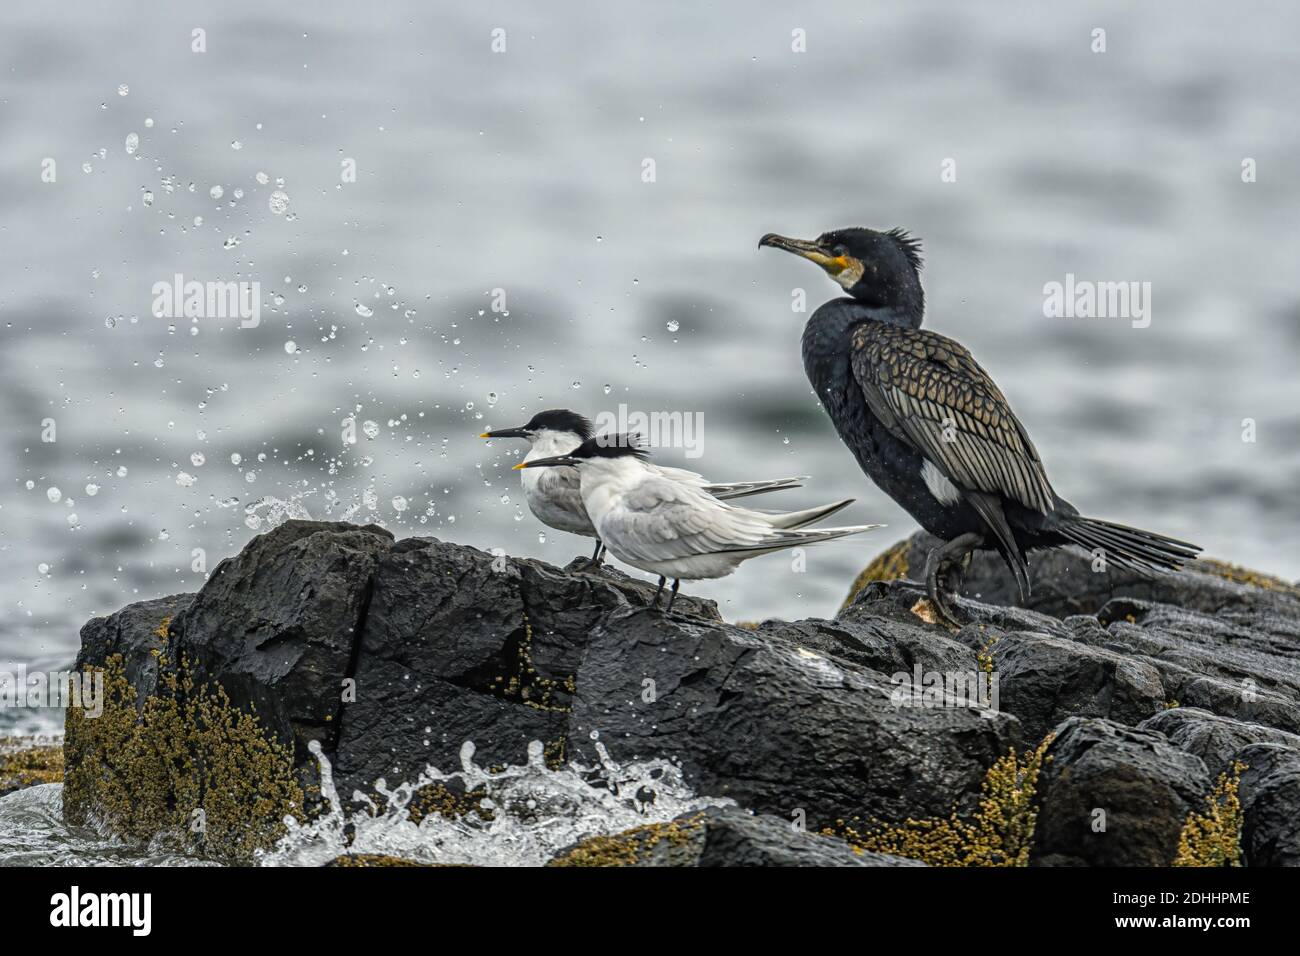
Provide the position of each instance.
(536, 812)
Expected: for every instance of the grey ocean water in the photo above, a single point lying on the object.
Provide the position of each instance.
(522, 171)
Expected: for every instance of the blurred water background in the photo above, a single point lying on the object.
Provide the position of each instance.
(522, 171)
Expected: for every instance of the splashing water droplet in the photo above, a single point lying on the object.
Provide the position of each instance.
(92, 489)
(291, 346)
(132, 143)
(54, 494)
(216, 192)
(364, 311)
(123, 90)
(197, 459)
(278, 202)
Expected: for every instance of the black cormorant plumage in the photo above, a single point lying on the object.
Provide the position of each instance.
(930, 427)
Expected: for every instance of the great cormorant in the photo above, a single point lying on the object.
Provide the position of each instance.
(928, 425)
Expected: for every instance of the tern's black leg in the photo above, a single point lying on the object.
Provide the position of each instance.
(658, 591)
(677, 582)
(595, 555)
(940, 563)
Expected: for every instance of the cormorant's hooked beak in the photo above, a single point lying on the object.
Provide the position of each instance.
(810, 250)
(506, 433)
(548, 462)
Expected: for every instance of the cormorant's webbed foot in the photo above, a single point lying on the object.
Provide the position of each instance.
(945, 571)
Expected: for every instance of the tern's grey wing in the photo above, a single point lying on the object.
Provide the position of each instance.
(677, 474)
(564, 487)
(555, 498)
(662, 519)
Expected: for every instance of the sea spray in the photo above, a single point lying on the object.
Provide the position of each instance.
(534, 812)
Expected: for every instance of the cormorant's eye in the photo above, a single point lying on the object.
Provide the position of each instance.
(839, 250)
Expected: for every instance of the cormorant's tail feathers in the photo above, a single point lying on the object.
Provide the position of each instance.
(1133, 548)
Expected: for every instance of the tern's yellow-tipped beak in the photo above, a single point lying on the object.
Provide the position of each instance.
(522, 464)
(485, 435)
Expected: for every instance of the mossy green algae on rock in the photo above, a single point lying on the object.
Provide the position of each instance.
(184, 766)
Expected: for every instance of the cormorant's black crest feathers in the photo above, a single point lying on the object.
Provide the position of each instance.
(561, 420)
(612, 446)
(910, 245)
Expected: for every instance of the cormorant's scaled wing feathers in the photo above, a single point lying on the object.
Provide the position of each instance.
(929, 391)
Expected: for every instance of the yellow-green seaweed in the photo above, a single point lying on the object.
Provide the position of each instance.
(189, 767)
(1213, 838)
(999, 833)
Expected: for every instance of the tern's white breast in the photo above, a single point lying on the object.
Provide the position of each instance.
(553, 494)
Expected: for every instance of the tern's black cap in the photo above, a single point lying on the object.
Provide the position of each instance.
(561, 420)
(612, 446)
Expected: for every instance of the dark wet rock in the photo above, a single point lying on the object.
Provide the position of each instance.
(394, 654)
(276, 625)
(1270, 802)
(781, 728)
(1114, 796)
(720, 836)
(1064, 582)
(1216, 739)
(1044, 679)
(461, 645)
(883, 646)
(1218, 638)
(139, 633)
(1216, 662)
